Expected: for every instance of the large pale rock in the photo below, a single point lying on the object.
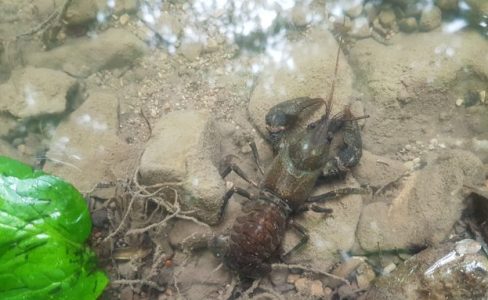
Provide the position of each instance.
(33, 92)
(328, 234)
(376, 171)
(85, 146)
(451, 271)
(425, 207)
(414, 80)
(184, 148)
(308, 71)
(114, 48)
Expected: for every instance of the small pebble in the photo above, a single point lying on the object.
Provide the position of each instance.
(292, 278)
(327, 292)
(299, 16)
(354, 11)
(246, 149)
(412, 9)
(371, 11)
(21, 148)
(408, 165)
(387, 17)
(443, 116)
(365, 276)
(212, 45)
(360, 28)
(347, 267)
(124, 19)
(301, 284)
(408, 24)
(459, 102)
(389, 268)
(191, 50)
(430, 19)
(316, 289)
(483, 97)
(467, 246)
(448, 5)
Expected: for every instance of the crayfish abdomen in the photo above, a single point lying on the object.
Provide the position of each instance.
(256, 238)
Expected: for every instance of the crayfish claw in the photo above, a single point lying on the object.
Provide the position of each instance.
(284, 116)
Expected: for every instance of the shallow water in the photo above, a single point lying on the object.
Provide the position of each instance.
(137, 102)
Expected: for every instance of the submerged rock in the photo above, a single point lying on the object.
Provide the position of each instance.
(82, 12)
(387, 17)
(85, 146)
(418, 76)
(425, 207)
(183, 149)
(33, 92)
(377, 171)
(329, 234)
(114, 48)
(408, 24)
(430, 18)
(451, 271)
(448, 5)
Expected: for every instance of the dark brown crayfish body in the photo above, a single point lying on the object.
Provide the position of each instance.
(255, 239)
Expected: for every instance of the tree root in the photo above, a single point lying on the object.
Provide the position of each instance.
(312, 270)
(148, 283)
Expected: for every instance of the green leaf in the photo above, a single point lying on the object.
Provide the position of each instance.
(44, 223)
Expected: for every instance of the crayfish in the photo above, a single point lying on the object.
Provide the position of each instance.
(254, 241)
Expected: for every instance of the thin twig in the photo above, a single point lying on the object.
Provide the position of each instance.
(304, 268)
(122, 222)
(56, 14)
(175, 283)
(194, 220)
(147, 123)
(61, 162)
(149, 283)
(40, 26)
(147, 228)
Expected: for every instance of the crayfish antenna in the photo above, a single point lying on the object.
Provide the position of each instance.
(329, 102)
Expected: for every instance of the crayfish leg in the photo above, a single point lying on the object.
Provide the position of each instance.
(304, 237)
